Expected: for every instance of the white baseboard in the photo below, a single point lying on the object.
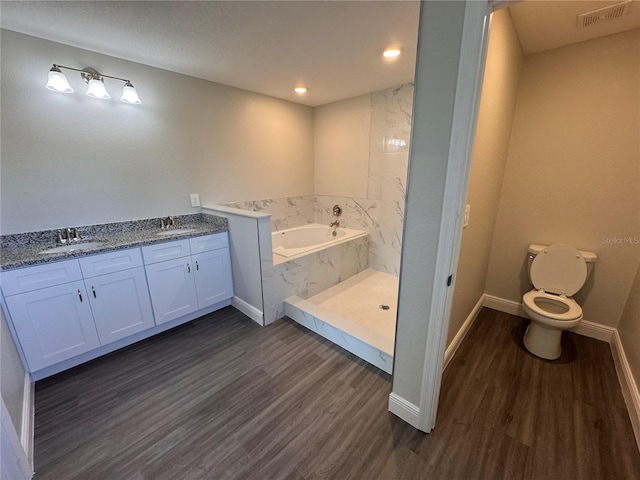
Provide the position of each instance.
(504, 305)
(594, 330)
(598, 332)
(457, 340)
(28, 414)
(586, 328)
(407, 411)
(628, 384)
(249, 310)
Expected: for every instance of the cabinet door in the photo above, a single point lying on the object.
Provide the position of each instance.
(172, 288)
(213, 277)
(53, 324)
(120, 303)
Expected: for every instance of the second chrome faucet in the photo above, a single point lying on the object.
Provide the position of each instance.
(67, 235)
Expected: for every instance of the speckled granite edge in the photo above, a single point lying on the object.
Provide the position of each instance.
(23, 249)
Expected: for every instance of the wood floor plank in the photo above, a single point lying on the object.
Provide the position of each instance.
(222, 398)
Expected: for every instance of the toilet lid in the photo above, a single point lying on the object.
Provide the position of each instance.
(559, 269)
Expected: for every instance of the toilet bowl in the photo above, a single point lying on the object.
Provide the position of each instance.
(557, 272)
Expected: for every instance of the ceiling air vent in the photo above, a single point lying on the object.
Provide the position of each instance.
(616, 10)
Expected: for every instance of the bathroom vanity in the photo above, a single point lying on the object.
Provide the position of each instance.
(64, 311)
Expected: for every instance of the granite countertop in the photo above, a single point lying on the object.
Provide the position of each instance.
(23, 249)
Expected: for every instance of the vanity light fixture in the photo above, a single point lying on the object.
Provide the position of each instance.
(58, 83)
(392, 52)
(301, 89)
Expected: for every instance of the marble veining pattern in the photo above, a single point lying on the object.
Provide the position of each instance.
(358, 347)
(285, 212)
(381, 214)
(311, 274)
(22, 249)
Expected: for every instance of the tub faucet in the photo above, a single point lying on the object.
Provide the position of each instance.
(335, 224)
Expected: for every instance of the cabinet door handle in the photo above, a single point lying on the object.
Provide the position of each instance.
(94, 292)
(79, 294)
(188, 268)
(197, 266)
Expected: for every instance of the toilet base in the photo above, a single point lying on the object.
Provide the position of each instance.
(543, 342)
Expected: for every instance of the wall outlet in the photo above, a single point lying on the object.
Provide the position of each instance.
(467, 212)
(195, 200)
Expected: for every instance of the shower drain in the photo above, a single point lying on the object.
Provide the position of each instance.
(383, 307)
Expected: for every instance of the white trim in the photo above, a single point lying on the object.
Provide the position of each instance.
(14, 463)
(407, 411)
(504, 305)
(471, 63)
(236, 211)
(597, 332)
(586, 328)
(594, 330)
(464, 329)
(28, 414)
(249, 310)
(627, 383)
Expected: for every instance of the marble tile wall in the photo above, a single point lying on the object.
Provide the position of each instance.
(306, 276)
(285, 212)
(381, 213)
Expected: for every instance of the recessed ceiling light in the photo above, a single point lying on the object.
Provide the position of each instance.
(300, 89)
(392, 52)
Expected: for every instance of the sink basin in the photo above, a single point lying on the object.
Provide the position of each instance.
(177, 231)
(72, 247)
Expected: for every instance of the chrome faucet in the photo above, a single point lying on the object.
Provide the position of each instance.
(335, 224)
(167, 223)
(67, 235)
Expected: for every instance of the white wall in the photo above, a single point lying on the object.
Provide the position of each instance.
(71, 160)
(573, 170)
(493, 132)
(341, 147)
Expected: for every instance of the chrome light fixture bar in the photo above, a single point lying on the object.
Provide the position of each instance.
(58, 83)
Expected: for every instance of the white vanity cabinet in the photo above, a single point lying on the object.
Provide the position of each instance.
(50, 312)
(116, 286)
(181, 282)
(64, 313)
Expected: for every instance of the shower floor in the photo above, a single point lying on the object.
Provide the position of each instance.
(349, 315)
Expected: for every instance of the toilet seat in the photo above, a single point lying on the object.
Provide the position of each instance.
(574, 311)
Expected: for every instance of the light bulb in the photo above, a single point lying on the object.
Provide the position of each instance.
(392, 52)
(97, 89)
(58, 82)
(130, 95)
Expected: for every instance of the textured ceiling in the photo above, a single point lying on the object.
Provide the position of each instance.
(333, 47)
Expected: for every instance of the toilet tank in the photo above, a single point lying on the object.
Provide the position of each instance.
(534, 249)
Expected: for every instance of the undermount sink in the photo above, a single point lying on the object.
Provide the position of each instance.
(176, 231)
(72, 247)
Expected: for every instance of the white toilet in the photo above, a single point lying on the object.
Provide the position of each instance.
(557, 272)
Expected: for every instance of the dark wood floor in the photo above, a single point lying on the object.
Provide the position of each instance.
(221, 398)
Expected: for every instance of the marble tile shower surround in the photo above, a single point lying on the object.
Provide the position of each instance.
(311, 274)
(285, 212)
(382, 212)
